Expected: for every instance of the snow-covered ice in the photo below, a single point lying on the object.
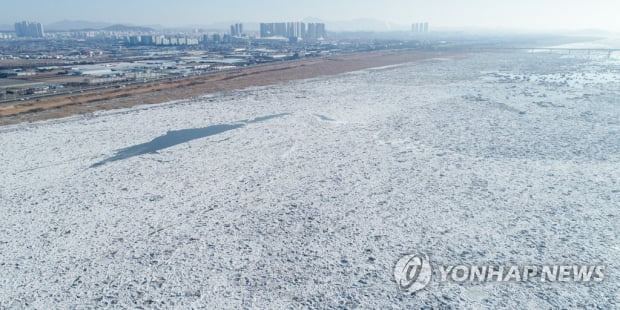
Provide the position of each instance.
(305, 194)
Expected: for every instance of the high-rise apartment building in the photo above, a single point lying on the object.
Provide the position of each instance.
(315, 31)
(236, 30)
(311, 31)
(29, 29)
(419, 27)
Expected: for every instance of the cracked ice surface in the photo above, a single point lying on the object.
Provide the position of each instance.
(493, 159)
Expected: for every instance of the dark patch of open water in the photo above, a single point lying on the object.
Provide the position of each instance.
(172, 138)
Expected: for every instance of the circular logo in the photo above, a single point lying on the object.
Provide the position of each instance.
(413, 272)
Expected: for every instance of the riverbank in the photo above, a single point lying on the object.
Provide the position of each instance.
(162, 91)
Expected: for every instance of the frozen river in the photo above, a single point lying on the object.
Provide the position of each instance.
(305, 194)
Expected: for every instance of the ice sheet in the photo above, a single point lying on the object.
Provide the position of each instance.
(490, 159)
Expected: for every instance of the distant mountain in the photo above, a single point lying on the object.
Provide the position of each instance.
(128, 28)
(361, 24)
(86, 25)
(311, 19)
(7, 28)
(75, 25)
(155, 26)
(219, 26)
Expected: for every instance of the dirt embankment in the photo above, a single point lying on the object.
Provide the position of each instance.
(158, 92)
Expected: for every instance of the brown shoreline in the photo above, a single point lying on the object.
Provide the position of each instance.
(159, 92)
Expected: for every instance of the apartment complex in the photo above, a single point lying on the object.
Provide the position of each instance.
(298, 30)
(29, 29)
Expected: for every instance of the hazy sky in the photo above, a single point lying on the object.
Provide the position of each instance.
(504, 14)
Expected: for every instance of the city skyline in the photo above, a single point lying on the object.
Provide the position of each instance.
(525, 15)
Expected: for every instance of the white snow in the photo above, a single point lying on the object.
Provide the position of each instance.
(492, 159)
